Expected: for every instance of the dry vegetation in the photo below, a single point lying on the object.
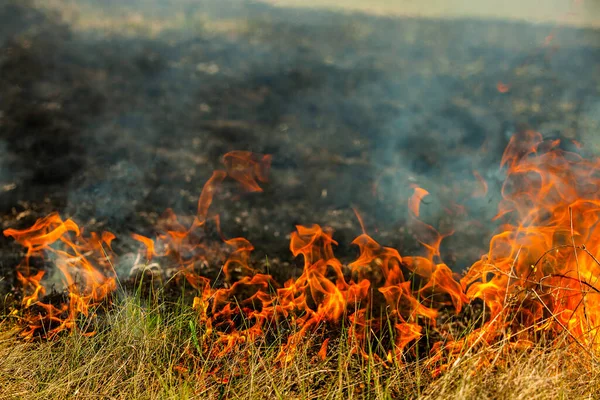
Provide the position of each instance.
(144, 348)
(145, 351)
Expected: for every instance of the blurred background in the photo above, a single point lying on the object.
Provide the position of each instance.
(573, 12)
(112, 111)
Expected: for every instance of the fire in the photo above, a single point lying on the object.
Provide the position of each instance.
(483, 186)
(541, 269)
(538, 277)
(502, 87)
(248, 168)
(85, 264)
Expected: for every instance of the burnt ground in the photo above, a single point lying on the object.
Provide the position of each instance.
(113, 122)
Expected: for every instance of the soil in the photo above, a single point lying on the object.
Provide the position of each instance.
(110, 119)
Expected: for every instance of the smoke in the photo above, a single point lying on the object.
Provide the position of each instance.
(124, 110)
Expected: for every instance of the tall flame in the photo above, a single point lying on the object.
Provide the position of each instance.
(541, 270)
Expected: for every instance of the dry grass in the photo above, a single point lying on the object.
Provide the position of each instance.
(149, 353)
(536, 374)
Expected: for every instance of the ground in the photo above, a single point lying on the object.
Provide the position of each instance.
(114, 119)
(110, 115)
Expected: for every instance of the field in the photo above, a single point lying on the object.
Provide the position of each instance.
(176, 155)
(146, 354)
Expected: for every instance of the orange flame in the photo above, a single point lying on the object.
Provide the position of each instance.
(248, 168)
(85, 266)
(482, 190)
(538, 276)
(541, 268)
(502, 87)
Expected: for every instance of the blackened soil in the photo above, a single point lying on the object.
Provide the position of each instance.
(111, 126)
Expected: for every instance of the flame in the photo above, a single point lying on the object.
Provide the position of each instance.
(365, 294)
(482, 190)
(248, 168)
(502, 87)
(539, 275)
(85, 264)
(414, 203)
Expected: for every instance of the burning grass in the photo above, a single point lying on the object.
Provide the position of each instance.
(147, 350)
(384, 325)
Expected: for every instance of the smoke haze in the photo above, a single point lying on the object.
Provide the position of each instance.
(114, 111)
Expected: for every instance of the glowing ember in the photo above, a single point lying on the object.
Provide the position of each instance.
(502, 87)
